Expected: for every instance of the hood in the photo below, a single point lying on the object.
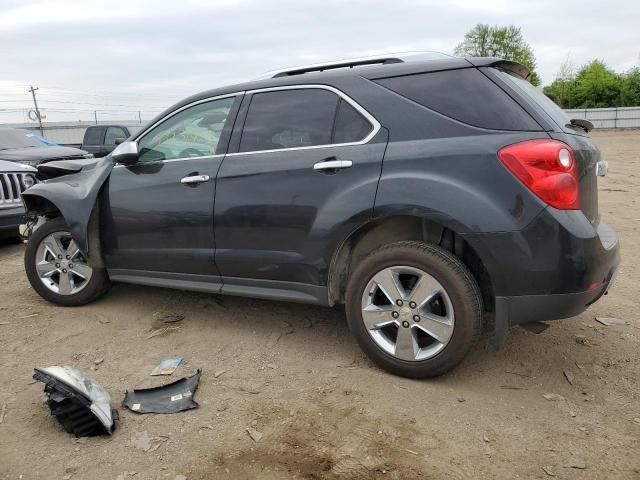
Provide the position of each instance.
(36, 155)
(59, 168)
(13, 167)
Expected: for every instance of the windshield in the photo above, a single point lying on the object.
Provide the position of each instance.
(538, 96)
(14, 138)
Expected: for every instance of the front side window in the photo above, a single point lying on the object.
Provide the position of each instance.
(113, 133)
(193, 132)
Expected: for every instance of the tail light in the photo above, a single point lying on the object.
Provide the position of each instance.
(547, 168)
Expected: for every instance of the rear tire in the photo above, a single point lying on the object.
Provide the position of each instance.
(58, 271)
(414, 308)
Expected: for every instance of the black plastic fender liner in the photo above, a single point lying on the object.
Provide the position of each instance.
(80, 405)
(74, 194)
(171, 398)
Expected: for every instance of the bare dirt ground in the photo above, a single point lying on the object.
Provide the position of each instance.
(293, 374)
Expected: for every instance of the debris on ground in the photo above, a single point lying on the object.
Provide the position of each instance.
(167, 366)
(103, 320)
(218, 373)
(3, 412)
(512, 387)
(568, 376)
(98, 361)
(252, 389)
(254, 434)
(160, 332)
(526, 373)
(636, 420)
(578, 466)
(581, 340)
(81, 405)
(141, 441)
(172, 318)
(608, 321)
(171, 398)
(553, 397)
(547, 469)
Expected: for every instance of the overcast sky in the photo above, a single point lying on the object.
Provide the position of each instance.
(143, 55)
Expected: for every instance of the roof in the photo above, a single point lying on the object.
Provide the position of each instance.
(394, 67)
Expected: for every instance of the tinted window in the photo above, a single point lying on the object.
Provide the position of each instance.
(194, 132)
(350, 125)
(465, 95)
(538, 96)
(112, 134)
(288, 119)
(92, 136)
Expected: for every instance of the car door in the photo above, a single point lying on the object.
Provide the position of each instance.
(158, 213)
(305, 167)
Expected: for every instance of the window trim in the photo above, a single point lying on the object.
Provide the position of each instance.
(175, 112)
(375, 125)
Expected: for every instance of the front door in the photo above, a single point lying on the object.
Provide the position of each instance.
(307, 163)
(158, 213)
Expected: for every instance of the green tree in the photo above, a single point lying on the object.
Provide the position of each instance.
(630, 91)
(503, 42)
(597, 86)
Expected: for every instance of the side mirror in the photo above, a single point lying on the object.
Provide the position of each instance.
(120, 140)
(126, 153)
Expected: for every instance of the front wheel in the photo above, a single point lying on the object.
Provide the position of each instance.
(414, 308)
(57, 269)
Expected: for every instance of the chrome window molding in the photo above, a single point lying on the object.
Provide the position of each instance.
(164, 119)
(370, 118)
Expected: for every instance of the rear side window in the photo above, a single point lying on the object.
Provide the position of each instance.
(465, 95)
(289, 119)
(350, 126)
(538, 96)
(113, 133)
(92, 136)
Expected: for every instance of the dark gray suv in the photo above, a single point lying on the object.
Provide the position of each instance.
(428, 197)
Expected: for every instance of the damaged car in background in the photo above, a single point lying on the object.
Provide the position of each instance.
(483, 215)
(15, 178)
(29, 148)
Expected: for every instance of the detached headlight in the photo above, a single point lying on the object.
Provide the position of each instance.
(28, 181)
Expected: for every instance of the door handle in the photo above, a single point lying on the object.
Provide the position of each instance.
(194, 179)
(332, 165)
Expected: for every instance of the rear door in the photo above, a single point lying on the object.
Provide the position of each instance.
(306, 163)
(158, 215)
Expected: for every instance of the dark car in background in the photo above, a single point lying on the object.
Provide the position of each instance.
(15, 178)
(100, 140)
(29, 148)
(432, 198)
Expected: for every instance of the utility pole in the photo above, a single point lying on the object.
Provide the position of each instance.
(35, 103)
(95, 116)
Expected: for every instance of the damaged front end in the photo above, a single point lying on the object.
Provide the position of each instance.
(68, 188)
(80, 405)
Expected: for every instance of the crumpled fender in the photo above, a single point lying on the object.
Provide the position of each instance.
(73, 194)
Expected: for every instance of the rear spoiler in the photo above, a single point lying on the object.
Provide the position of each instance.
(506, 65)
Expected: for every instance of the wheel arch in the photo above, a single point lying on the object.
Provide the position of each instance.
(394, 228)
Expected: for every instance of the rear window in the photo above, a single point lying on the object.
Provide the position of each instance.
(465, 95)
(538, 97)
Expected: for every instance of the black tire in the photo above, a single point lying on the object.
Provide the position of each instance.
(97, 286)
(460, 286)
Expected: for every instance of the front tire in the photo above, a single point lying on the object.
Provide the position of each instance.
(414, 308)
(57, 269)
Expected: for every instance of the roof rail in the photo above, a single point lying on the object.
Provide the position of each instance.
(319, 67)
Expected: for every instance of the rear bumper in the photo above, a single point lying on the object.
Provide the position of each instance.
(555, 268)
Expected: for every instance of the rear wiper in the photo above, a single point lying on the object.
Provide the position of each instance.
(586, 125)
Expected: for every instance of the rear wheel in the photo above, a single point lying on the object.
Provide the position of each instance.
(414, 308)
(58, 270)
